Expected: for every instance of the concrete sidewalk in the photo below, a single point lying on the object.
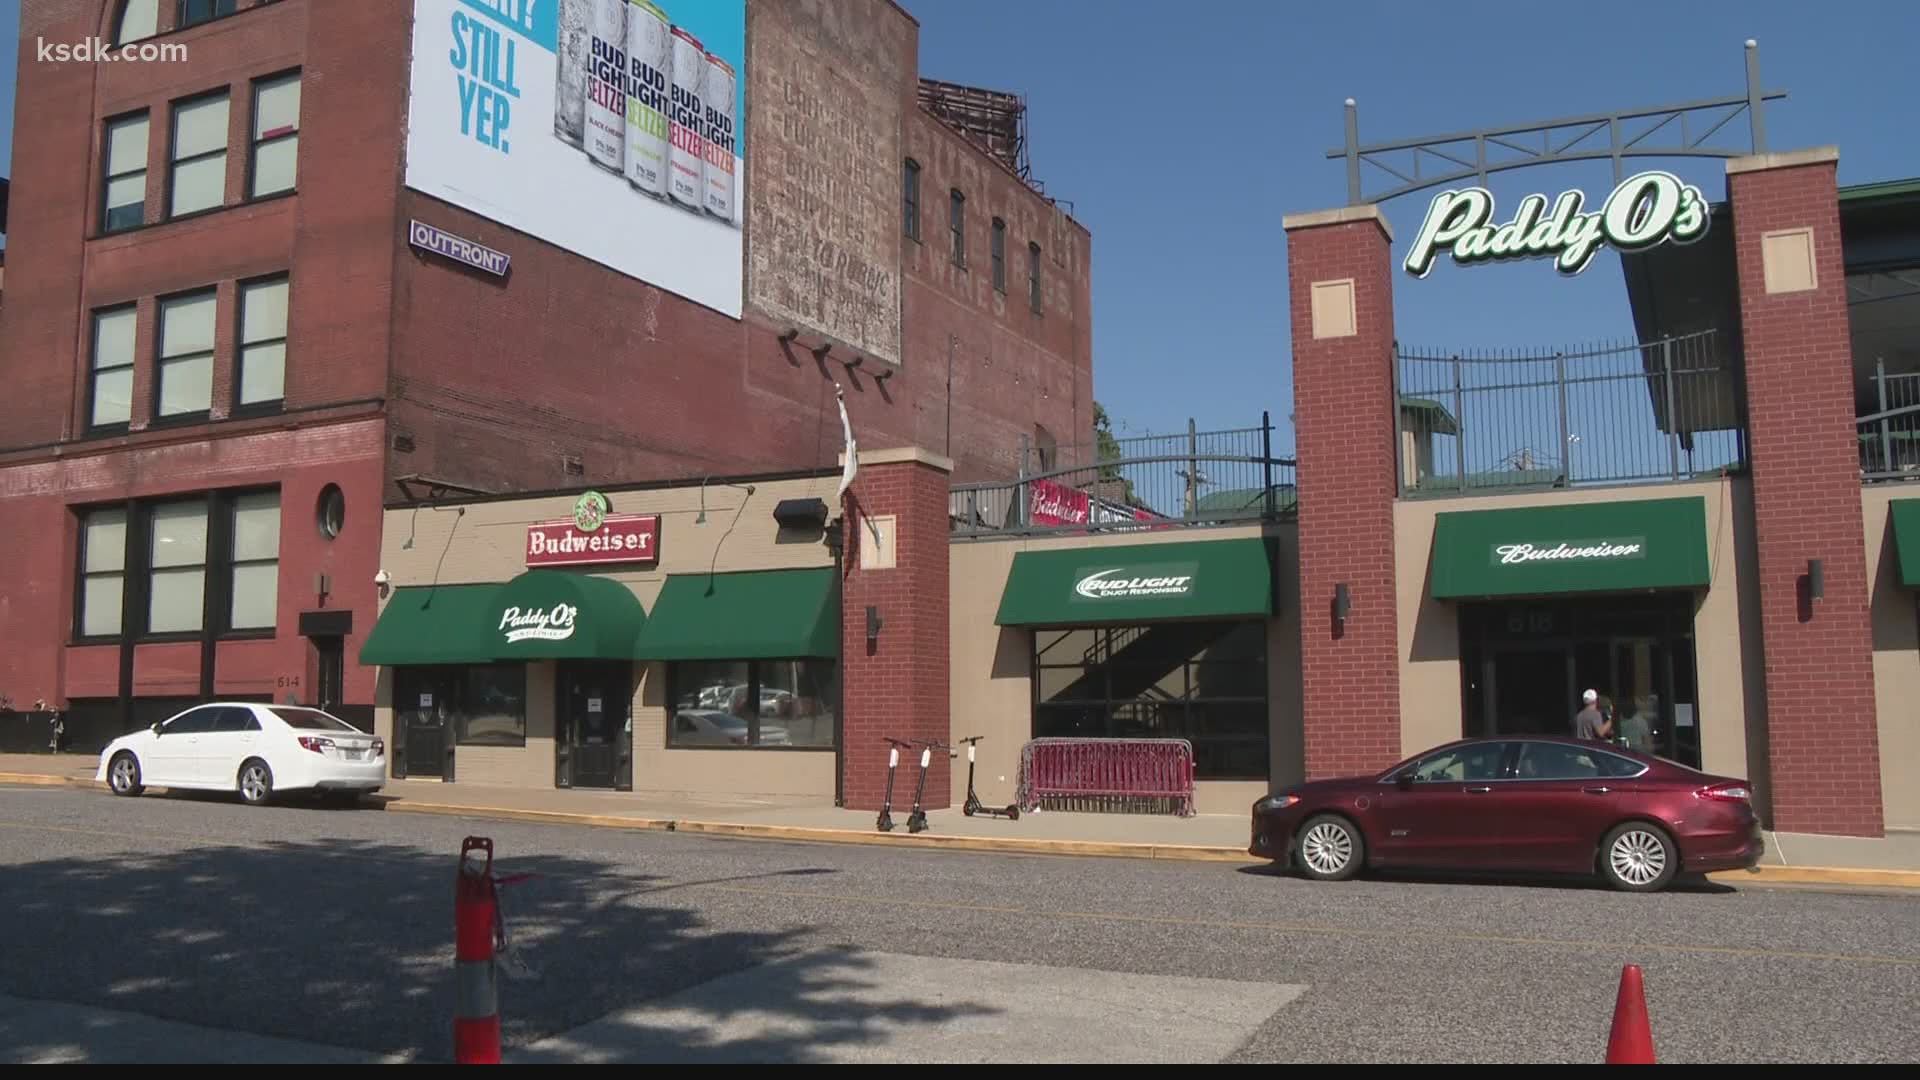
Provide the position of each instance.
(1894, 862)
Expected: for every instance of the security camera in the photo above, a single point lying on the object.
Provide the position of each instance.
(381, 578)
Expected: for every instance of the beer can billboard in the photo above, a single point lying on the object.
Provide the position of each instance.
(613, 129)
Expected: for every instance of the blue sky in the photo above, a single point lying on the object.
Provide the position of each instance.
(1182, 134)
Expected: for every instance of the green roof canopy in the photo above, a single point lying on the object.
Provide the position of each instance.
(1581, 547)
(557, 615)
(432, 624)
(1194, 579)
(756, 615)
(1906, 538)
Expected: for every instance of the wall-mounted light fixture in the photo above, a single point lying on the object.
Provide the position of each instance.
(1816, 579)
(873, 624)
(1342, 602)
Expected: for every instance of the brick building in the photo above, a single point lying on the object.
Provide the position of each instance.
(237, 325)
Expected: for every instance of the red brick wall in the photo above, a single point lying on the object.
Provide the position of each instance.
(1344, 421)
(1822, 733)
(898, 686)
(36, 602)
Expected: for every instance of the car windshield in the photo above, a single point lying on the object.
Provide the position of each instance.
(312, 720)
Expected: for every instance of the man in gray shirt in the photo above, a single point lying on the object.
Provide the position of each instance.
(1590, 723)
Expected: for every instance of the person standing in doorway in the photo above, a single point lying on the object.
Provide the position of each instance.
(1590, 722)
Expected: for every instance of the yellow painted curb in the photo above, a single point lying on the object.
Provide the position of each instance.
(1821, 875)
(1002, 845)
(550, 817)
(45, 780)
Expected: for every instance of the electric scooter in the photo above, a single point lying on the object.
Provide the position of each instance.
(917, 820)
(972, 805)
(885, 822)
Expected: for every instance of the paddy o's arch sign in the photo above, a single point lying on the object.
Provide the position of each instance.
(1643, 211)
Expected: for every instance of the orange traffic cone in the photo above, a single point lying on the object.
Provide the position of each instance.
(1631, 1040)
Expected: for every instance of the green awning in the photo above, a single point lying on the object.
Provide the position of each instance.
(755, 615)
(433, 624)
(1569, 548)
(1195, 579)
(1906, 539)
(557, 615)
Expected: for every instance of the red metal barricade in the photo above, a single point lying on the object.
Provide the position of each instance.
(1141, 775)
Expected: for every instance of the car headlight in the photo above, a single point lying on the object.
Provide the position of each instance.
(1276, 802)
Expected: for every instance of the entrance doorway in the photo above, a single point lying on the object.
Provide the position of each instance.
(329, 673)
(423, 709)
(594, 739)
(1526, 664)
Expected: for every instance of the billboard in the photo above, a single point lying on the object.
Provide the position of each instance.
(611, 128)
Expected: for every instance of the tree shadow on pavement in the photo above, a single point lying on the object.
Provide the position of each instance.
(350, 944)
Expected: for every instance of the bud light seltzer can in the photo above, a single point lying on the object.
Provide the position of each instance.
(718, 95)
(570, 73)
(607, 86)
(649, 68)
(687, 184)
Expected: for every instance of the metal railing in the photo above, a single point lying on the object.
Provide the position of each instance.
(1890, 437)
(1137, 483)
(1663, 410)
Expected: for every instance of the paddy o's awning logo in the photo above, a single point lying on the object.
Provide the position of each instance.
(553, 625)
(1102, 586)
(1645, 210)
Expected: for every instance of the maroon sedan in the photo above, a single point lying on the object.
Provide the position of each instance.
(1517, 803)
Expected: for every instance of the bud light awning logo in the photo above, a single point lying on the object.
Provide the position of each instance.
(556, 624)
(1118, 582)
(428, 238)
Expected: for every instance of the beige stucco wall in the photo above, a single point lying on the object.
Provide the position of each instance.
(1726, 625)
(992, 665)
(1896, 660)
(486, 542)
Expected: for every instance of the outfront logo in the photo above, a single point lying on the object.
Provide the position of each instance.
(555, 624)
(1103, 585)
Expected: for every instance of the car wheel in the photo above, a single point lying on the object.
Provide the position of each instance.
(256, 782)
(1330, 848)
(1639, 857)
(123, 774)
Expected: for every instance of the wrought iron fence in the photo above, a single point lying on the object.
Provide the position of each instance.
(1890, 437)
(1140, 482)
(1637, 411)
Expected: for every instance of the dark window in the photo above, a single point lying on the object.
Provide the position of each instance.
(184, 380)
(261, 381)
(198, 178)
(276, 136)
(1203, 682)
(910, 189)
(485, 704)
(1033, 276)
(234, 718)
(124, 190)
(194, 722)
(139, 20)
(195, 12)
(311, 720)
(957, 224)
(721, 703)
(103, 573)
(110, 391)
(999, 255)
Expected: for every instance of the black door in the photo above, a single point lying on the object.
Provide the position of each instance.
(592, 713)
(423, 708)
(330, 673)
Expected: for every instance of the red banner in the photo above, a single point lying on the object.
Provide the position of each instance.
(620, 538)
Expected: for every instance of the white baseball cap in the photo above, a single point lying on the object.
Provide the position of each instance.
(1590, 696)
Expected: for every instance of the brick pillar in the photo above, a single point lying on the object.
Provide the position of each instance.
(1340, 277)
(1822, 730)
(895, 685)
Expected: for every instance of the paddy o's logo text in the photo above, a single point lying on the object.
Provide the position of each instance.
(554, 625)
(1098, 586)
(1645, 210)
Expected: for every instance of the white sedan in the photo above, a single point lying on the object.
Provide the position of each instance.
(257, 750)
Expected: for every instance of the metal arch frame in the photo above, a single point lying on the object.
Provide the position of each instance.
(1589, 125)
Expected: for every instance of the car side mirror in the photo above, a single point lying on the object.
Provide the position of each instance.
(156, 729)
